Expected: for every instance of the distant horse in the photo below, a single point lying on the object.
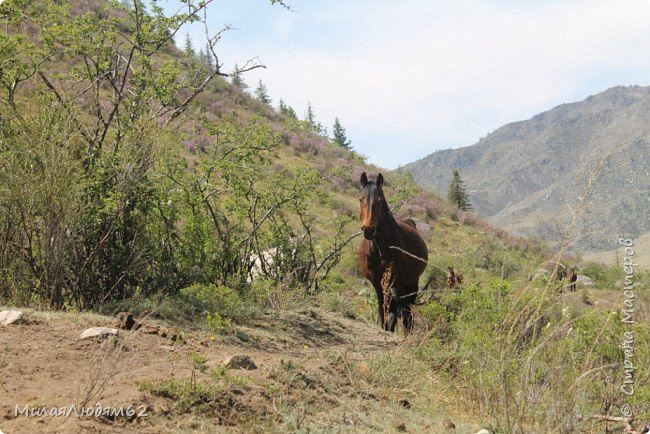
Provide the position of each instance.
(453, 278)
(392, 256)
(572, 276)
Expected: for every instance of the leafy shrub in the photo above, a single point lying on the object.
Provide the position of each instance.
(222, 303)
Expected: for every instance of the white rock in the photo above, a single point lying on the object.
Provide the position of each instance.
(97, 331)
(585, 280)
(483, 431)
(8, 317)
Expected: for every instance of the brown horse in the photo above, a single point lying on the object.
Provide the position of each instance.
(572, 276)
(392, 252)
(453, 278)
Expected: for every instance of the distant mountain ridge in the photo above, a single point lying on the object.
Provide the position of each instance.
(589, 158)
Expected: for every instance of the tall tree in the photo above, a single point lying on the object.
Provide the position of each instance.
(312, 123)
(310, 118)
(189, 47)
(262, 93)
(339, 135)
(236, 79)
(457, 194)
(286, 110)
(208, 56)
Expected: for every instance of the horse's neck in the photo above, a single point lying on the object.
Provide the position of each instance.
(386, 232)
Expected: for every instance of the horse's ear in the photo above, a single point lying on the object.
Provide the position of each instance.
(364, 179)
(380, 181)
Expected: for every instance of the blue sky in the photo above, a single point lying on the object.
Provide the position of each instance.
(411, 77)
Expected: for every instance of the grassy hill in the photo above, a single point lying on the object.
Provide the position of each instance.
(580, 167)
(136, 178)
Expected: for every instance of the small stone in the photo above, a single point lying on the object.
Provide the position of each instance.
(448, 424)
(98, 331)
(240, 361)
(483, 431)
(8, 317)
(242, 336)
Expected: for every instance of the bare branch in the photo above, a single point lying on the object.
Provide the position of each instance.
(627, 421)
(409, 254)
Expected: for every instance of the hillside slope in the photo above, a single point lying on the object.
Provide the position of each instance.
(591, 157)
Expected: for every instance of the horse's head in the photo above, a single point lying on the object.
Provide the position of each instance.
(371, 204)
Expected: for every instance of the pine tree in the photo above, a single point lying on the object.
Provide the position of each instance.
(262, 93)
(286, 110)
(457, 194)
(310, 118)
(189, 47)
(208, 56)
(339, 135)
(202, 57)
(312, 123)
(236, 79)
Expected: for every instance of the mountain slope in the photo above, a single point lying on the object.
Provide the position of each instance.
(588, 159)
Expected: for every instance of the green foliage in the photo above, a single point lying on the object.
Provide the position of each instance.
(310, 121)
(222, 303)
(262, 93)
(457, 194)
(189, 46)
(206, 397)
(236, 78)
(286, 110)
(199, 361)
(522, 353)
(185, 394)
(100, 207)
(339, 137)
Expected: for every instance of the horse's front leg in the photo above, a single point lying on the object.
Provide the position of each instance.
(393, 308)
(406, 309)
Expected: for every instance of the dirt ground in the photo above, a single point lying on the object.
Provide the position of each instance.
(46, 367)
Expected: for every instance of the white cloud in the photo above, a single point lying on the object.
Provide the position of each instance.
(428, 74)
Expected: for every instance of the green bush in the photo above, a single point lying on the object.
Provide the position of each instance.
(221, 302)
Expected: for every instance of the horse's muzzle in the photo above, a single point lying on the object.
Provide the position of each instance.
(369, 232)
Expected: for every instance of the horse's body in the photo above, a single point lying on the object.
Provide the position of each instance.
(572, 276)
(391, 250)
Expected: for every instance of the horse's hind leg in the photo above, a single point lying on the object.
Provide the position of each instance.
(407, 318)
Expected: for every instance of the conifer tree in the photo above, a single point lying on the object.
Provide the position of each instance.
(457, 194)
(262, 93)
(236, 78)
(339, 135)
(202, 57)
(208, 56)
(286, 110)
(189, 47)
(310, 118)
